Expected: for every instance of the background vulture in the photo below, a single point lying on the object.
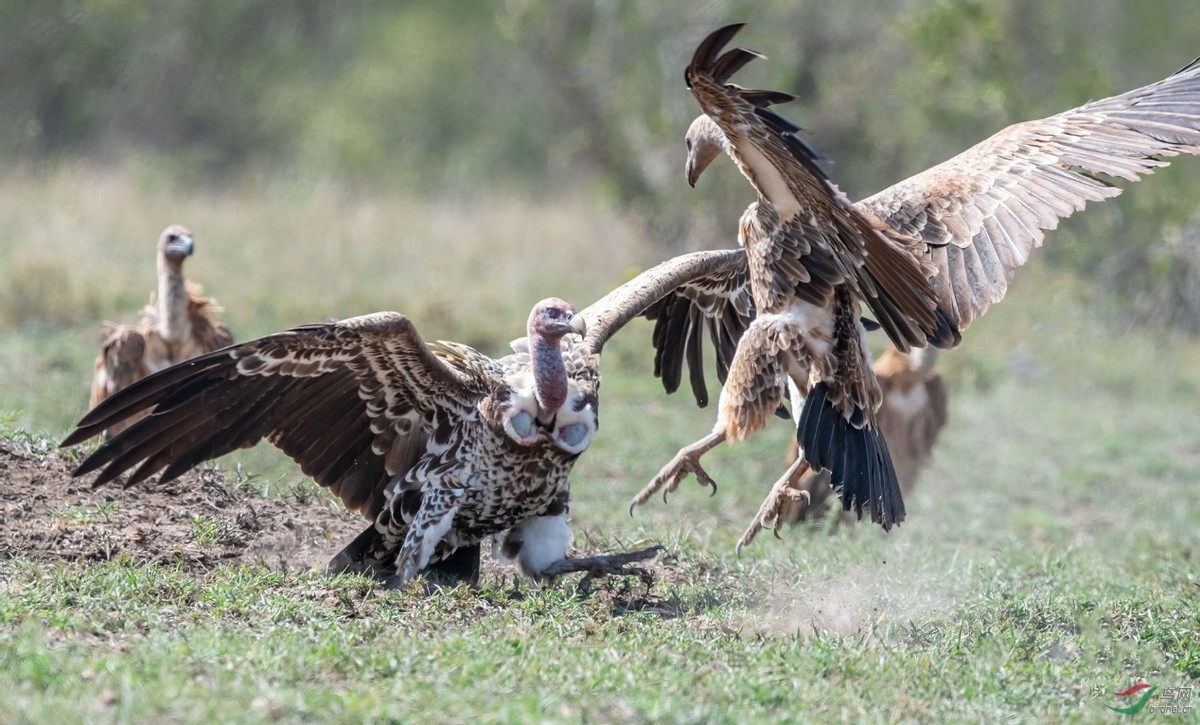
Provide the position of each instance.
(437, 444)
(912, 412)
(178, 324)
(927, 256)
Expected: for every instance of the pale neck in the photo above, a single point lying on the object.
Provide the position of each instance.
(173, 321)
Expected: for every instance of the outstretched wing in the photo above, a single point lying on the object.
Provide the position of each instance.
(345, 400)
(980, 213)
(818, 239)
(684, 296)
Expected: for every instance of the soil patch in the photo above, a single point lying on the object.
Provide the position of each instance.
(195, 521)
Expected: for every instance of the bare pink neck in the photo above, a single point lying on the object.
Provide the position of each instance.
(549, 375)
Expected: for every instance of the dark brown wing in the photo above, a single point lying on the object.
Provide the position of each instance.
(818, 239)
(983, 211)
(342, 399)
(684, 296)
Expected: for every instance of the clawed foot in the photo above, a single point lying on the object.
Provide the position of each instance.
(784, 492)
(598, 566)
(686, 461)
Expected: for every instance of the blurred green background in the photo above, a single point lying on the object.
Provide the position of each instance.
(458, 160)
(470, 97)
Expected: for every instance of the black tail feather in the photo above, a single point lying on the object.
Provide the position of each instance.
(855, 455)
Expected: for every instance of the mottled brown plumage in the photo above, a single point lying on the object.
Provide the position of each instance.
(437, 444)
(179, 323)
(813, 257)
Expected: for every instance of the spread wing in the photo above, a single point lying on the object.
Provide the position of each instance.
(346, 400)
(685, 296)
(980, 213)
(818, 239)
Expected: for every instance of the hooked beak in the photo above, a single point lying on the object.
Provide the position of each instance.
(691, 172)
(579, 325)
(180, 246)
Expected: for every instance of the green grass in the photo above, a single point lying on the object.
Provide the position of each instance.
(1051, 555)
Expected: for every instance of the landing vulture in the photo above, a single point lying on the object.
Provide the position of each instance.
(926, 256)
(178, 324)
(438, 445)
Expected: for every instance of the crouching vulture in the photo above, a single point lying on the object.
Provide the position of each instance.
(179, 323)
(926, 256)
(437, 444)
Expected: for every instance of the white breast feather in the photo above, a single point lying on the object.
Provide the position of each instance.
(574, 429)
(769, 181)
(519, 422)
(544, 540)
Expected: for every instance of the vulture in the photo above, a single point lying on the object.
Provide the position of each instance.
(926, 256)
(911, 415)
(439, 446)
(179, 323)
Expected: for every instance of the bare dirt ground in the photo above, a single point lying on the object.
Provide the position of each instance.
(195, 521)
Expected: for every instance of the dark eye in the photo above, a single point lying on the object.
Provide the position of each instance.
(689, 144)
(173, 238)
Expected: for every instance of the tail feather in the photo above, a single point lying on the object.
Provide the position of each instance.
(856, 456)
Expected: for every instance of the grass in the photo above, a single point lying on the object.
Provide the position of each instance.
(1050, 557)
(85, 515)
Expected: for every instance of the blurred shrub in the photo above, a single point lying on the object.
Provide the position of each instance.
(38, 293)
(1159, 283)
(468, 97)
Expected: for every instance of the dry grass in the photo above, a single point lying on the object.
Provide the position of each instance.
(78, 247)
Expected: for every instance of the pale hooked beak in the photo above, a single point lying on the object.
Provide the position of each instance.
(578, 324)
(180, 246)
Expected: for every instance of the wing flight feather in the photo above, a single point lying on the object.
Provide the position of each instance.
(342, 399)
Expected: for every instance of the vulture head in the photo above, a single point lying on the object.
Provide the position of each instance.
(705, 140)
(175, 244)
(550, 320)
(553, 318)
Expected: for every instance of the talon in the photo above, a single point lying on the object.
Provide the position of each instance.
(686, 461)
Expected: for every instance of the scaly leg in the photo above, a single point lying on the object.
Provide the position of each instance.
(686, 461)
(598, 566)
(785, 490)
